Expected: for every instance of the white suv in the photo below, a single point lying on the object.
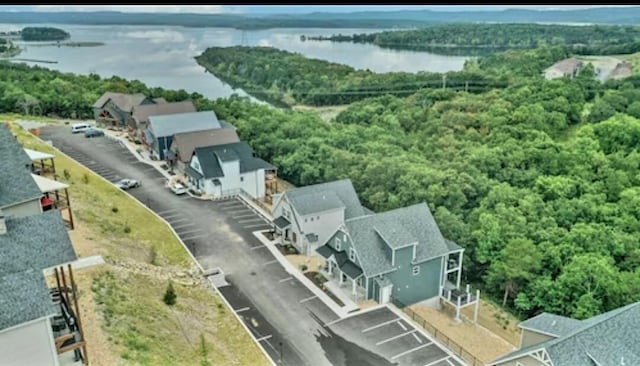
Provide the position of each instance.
(178, 188)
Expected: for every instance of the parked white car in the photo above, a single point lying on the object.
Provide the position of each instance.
(178, 189)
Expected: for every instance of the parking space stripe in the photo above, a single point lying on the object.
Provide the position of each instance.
(417, 338)
(167, 211)
(402, 325)
(258, 247)
(250, 220)
(194, 237)
(270, 262)
(257, 225)
(380, 325)
(242, 309)
(264, 338)
(438, 361)
(172, 221)
(186, 225)
(409, 351)
(240, 216)
(191, 232)
(396, 337)
(308, 298)
(238, 210)
(285, 279)
(175, 214)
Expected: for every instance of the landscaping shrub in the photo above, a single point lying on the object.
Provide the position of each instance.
(170, 295)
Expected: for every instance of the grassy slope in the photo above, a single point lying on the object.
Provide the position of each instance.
(139, 327)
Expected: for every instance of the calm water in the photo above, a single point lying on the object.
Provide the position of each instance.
(162, 56)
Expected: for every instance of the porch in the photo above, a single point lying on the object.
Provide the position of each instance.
(55, 197)
(42, 163)
(346, 280)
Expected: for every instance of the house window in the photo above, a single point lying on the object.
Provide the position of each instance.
(338, 244)
(242, 179)
(294, 238)
(305, 220)
(312, 219)
(352, 255)
(415, 270)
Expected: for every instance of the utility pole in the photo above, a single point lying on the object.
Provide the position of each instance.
(466, 86)
(444, 81)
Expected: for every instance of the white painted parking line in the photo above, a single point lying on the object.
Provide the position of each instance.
(264, 338)
(238, 210)
(402, 325)
(231, 204)
(185, 225)
(191, 232)
(173, 214)
(409, 351)
(258, 247)
(234, 201)
(270, 262)
(240, 216)
(396, 337)
(308, 298)
(285, 279)
(243, 309)
(380, 325)
(167, 211)
(438, 361)
(417, 338)
(175, 221)
(195, 237)
(250, 220)
(450, 363)
(256, 225)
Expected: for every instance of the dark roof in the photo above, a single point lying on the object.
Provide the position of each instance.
(551, 324)
(311, 237)
(125, 102)
(171, 124)
(186, 143)
(209, 157)
(326, 196)
(281, 222)
(327, 251)
(16, 183)
(141, 113)
(610, 338)
(23, 297)
(351, 270)
(395, 229)
(188, 170)
(35, 242)
(453, 246)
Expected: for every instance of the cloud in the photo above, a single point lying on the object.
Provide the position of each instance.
(203, 9)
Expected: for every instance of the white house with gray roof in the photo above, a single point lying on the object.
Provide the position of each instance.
(28, 245)
(307, 216)
(228, 169)
(19, 193)
(398, 255)
(611, 338)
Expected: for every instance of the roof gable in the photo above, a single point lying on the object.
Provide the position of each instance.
(337, 194)
(141, 113)
(124, 102)
(171, 124)
(186, 143)
(211, 156)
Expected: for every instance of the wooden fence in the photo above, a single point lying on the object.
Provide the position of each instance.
(448, 342)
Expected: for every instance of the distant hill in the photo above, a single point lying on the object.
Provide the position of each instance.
(368, 19)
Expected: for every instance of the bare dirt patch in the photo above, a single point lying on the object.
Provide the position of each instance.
(313, 263)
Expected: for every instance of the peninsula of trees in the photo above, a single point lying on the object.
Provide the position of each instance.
(36, 34)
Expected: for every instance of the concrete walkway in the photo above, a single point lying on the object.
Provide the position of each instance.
(292, 270)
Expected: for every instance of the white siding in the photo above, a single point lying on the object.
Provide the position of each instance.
(195, 164)
(24, 209)
(29, 344)
(253, 183)
(231, 179)
(323, 224)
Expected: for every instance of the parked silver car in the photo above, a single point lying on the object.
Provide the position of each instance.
(126, 183)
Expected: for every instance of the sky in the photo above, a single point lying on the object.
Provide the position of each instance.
(282, 9)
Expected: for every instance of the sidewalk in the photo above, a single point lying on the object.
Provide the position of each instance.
(271, 245)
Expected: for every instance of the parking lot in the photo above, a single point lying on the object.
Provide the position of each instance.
(283, 315)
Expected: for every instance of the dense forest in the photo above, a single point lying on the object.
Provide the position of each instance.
(538, 181)
(480, 39)
(43, 34)
(289, 78)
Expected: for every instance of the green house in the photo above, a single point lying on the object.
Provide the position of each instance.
(397, 256)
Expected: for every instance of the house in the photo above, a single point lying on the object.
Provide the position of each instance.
(139, 120)
(611, 338)
(114, 109)
(19, 193)
(228, 169)
(184, 144)
(159, 135)
(622, 70)
(568, 68)
(37, 326)
(398, 255)
(306, 216)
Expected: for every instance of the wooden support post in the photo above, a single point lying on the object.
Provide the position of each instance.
(458, 311)
(58, 284)
(53, 168)
(65, 292)
(66, 192)
(467, 288)
(77, 312)
(475, 313)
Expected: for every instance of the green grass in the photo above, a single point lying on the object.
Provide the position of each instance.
(141, 329)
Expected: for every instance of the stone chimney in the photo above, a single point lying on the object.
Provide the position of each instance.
(3, 224)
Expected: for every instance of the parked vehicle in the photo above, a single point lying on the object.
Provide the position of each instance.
(92, 132)
(126, 183)
(178, 189)
(79, 127)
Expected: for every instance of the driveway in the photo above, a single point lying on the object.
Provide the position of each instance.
(283, 315)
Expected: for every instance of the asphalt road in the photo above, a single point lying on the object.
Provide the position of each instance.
(282, 313)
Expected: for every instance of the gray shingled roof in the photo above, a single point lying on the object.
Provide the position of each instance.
(208, 157)
(396, 228)
(23, 297)
(16, 183)
(308, 200)
(551, 324)
(34, 242)
(171, 124)
(125, 102)
(607, 339)
(141, 113)
(453, 246)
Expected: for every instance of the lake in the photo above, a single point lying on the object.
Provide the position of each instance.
(163, 56)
